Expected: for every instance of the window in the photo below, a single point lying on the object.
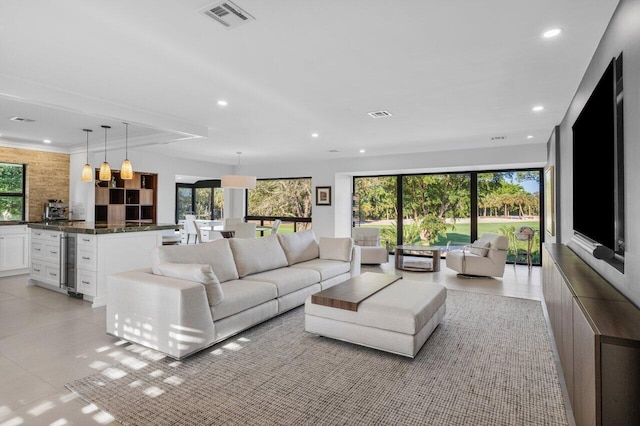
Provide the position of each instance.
(287, 199)
(434, 209)
(12, 191)
(204, 198)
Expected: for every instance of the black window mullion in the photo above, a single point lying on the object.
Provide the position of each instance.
(474, 206)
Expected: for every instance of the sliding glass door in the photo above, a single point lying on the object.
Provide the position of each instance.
(436, 209)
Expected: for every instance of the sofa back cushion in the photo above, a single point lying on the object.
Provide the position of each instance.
(194, 272)
(253, 255)
(215, 253)
(299, 246)
(336, 249)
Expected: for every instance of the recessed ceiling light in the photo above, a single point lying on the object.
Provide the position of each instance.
(362, 151)
(46, 141)
(315, 135)
(222, 102)
(552, 33)
(530, 137)
(537, 108)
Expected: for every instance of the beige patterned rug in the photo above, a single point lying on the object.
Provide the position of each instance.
(488, 363)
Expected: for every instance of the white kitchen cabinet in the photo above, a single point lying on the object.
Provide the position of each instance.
(86, 265)
(46, 258)
(14, 250)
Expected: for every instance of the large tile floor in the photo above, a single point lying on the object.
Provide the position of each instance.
(48, 339)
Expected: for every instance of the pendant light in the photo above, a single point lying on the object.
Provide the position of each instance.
(87, 171)
(105, 170)
(238, 181)
(126, 171)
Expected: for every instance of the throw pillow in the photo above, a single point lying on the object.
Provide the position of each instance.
(336, 249)
(215, 253)
(480, 248)
(299, 246)
(194, 272)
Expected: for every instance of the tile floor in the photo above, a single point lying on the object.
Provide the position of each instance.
(48, 339)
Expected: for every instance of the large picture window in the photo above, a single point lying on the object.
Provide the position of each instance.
(436, 209)
(12, 192)
(287, 199)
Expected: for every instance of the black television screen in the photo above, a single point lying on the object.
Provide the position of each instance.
(596, 171)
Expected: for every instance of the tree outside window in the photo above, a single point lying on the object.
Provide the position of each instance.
(12, 192)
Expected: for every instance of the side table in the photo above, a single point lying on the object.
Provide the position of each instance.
(417, 266)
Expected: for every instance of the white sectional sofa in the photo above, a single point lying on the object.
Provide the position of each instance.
(197, 295)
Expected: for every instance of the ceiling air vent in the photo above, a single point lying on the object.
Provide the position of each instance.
(498, 138)
(22, 119)
(227, 13)
(379, 114)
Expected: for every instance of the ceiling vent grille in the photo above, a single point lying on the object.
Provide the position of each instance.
(379, 114)
(498, 138)
(228, 14)
(22, 119)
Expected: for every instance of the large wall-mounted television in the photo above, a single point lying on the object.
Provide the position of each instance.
(598, 172)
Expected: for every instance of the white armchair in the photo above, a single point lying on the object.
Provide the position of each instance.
(486, 257)
(373, 252)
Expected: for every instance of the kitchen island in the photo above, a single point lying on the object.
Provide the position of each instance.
(77, 257)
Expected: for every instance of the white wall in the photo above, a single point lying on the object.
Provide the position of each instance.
(335, 220)
(622, 35)
(82, 194)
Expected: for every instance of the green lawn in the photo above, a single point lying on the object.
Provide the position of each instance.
(460, 235)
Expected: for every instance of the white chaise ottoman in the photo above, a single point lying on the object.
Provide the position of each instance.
(399, 318)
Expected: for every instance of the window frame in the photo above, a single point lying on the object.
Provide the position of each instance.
(294, 219)
(22, 194)
(473, 200)
(208, 183)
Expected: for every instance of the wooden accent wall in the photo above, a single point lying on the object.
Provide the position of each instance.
(47, 177)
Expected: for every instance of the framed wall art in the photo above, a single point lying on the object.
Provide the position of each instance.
(323, 195)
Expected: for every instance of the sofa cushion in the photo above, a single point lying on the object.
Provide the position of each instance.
(240, 295)
(336, 249)
(326, 268)
(299, 246)
(215, 253)
(287, 280)
(199, 273)
(480, 248)
(253, 255)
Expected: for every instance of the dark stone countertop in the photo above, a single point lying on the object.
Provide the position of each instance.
(101, 228)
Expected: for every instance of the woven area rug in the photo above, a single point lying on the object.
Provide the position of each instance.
(488, 363)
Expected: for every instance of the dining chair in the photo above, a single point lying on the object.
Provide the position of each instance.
(198, 232)
(190, 222)
(245, 230)
(276, 225)
(231, 222)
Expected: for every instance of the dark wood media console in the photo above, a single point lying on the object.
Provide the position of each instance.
(597, 333)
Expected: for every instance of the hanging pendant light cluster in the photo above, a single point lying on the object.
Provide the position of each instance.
(105, 169)
(126, 170)
(87, 171)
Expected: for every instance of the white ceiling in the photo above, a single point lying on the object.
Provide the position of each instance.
(453, 73)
